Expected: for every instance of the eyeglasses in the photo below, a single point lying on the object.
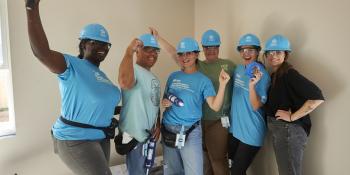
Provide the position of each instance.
(150, 50)
(96, 43)
(186, 54)
(249, 51)
(211, 47)
(274, 52)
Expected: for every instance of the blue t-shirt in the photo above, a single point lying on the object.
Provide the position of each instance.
(87, 96)
(248, 125)
(193, 89)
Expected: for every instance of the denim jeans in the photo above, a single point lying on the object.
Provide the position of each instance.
(289, 142)
(187, 160)
(84, 157)
(135, 161)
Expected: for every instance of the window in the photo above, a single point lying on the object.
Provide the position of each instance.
(7, 117)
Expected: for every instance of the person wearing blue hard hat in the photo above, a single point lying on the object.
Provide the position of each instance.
(82, 133)
(291, 99)
(248, 128)
(139, 118)
(194, 88)
(214, 124)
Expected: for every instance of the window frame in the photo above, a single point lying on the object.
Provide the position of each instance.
(7, 129)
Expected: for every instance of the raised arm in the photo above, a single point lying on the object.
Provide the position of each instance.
(39, 43)
(215, 103)
(126, 76)
(169, 49)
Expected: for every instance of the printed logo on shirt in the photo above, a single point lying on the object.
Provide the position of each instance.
(177, 84)
(101, 79)
(155, 92)
(240, 83)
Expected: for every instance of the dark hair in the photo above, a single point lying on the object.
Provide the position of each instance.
(284, 67)
(258, 48)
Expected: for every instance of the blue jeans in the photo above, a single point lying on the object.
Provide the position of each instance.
(289, 142)
(135, 161)
(187, 160)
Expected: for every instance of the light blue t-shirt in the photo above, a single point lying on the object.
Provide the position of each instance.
(248, 125)
(87, 96)
(193, 89)
(140, 104)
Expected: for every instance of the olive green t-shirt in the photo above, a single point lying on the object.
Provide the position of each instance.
(212, 71)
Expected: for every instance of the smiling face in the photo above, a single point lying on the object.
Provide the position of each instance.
(147, 56)
(187, 59)
(248, 53)
(211, 53)
(275, 58)
(95, 51)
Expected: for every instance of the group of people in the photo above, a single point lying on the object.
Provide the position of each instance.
(221, 110)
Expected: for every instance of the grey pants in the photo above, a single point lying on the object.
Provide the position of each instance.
(85, 157)
(289, 141)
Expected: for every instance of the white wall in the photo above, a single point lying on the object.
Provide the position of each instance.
(319, 33)
(36, 95)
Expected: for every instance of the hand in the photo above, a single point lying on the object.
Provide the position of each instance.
(134, 45)
(166, 103)
(257, 76)
(224, 77)
(284, 115)
(154, 32)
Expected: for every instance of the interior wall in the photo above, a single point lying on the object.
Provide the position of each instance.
(319, 34)
(36, 95)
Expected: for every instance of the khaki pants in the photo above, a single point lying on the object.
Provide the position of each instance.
(215, 138)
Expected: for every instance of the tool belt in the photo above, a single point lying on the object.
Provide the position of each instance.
(109, 131)
(124, 148)
(169, 138)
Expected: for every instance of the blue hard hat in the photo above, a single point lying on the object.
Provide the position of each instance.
(187, 44)
(211, 38)
(95, 32)
(149, 40)
(248, 40)
(278, 42)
